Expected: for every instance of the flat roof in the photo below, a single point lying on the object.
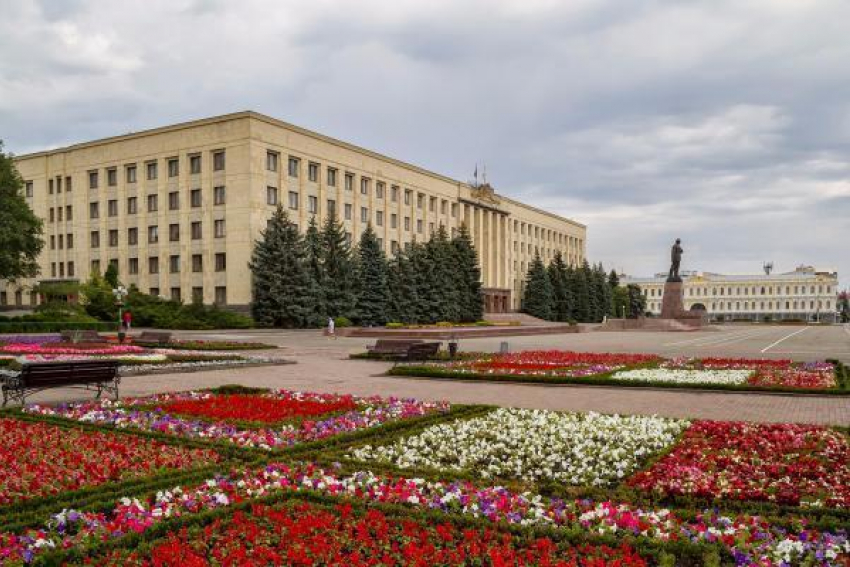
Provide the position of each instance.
(279, 123)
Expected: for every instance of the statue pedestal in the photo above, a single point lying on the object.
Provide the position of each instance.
(673, 300)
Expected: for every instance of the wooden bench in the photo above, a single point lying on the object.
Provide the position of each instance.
(152, 338)
(100, 375)
(420, 352)
(392, 346)
(82, 336)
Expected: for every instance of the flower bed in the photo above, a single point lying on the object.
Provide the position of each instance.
(751, 540)
(684, 376)
(554, 363)
(785, 463)
(257, 408)
(41, 459)
(31, 339)
(68, 349)
(148, 414)
(217, 345)
(534, 445)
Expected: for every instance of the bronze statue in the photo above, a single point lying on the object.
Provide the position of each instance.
(676, 259)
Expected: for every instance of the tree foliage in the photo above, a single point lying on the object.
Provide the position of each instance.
(538, 301)
(20, 230)
(373, 296)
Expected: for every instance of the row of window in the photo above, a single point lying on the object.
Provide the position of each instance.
(761, 306)
(197, 261)
(754, 290)
(196, 231)
(197, 294)
(195, 201)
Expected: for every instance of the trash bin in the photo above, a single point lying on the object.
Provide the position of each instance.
(504, 348)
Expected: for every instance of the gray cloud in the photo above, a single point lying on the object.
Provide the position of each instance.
(725, 122)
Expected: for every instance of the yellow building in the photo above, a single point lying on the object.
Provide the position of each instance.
(179, 208)
(805, 294)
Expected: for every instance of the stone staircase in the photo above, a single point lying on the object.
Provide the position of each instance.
(524, 319)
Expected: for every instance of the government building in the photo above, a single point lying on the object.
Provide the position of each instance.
(178, 208)
(802, 295)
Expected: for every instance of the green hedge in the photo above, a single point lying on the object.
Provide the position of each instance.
(432, 372)
(54, 326)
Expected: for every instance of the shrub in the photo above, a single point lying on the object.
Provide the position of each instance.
(342, 322)
(395, 325)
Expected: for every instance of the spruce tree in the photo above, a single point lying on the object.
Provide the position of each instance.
(444, 281)
(314, 248)
(557, 271)
(538, 301)
(604, 292)
(283, 292)
(339, 283)
(613, 279)
(470, 301)
(373, 296)
(405, 299)
(637, 301)
(421, 268)
(584, 308)
(395, 298)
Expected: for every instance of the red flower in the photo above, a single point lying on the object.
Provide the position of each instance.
(258, 408)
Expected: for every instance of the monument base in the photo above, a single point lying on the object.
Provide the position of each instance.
(673, 305)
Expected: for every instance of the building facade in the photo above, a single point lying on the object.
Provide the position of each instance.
(803, 295)
(178, 208)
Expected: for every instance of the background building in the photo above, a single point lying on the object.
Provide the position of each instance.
(804, 294)
(178, 208)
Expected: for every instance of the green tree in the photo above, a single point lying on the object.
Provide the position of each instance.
(613, 279)
(20, 229)
(284, 295)
(637, 301)
(97, 299)
(373, 296)
(110, 276)
(403, 292)
(604, 291)
(444, 280)
(420, 272)
(314, 247)
(620, 302)
(538, 301)
(557, 271)
(338, 290)
(468, 274)
(584, 310)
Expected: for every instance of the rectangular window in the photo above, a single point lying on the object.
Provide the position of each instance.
(430, 228)
(349, 182)
(154, 291)
(52, 215)
(394, 246)
(197, 263)
(364, 185)
(420, 200)
(419, 226)
(195, 198)
(271, 195)
(94, 239)
(220, 295)
(4, 298)
(173, 200)
(69, 240)
(132, 236)
(444, 206)
(432, 204)
(312, 204)
(407, 224)
(313, 172)
(218, 228)
(112, 177)
(131, 205)
(220, 262)
(174, 232)
(92, 181)
(61, 242)
(153, 234)
(133, 266)
(332, 177)
(454, 209)
(59, 214)
(113, 238)
(379, 218)
(379, 190)
(218, 161)
(151, 170)
(294, 166)
(94, 210)
(58, 184)
(52, 242)
(95, 266)
(50, 186)
(271, 161)
(331, 208)
(173, 167)
(407, 193)
(131, 173)
(196, 230)
(364, 214)
(293, 200)
(348, 211)
(195, 164)
(112, 207)
(174, 263)
(394, 194)
(28, 188)
(218, 195)
(175, 294)
(197, 294)
(393, 220)
(153, 203)
(153, 265)
(70, 269)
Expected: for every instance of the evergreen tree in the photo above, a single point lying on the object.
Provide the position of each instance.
(560, 291)
(538, 301)
(110, 276)
(421, 268)
(314, 248)
(571, 279)
(620, 302)
(637, 301)
(373, 296)
(284, 295)
(613, 279)
(395, 300)
(339, 283)
(470, 301)
(604, 291)
(584, 309)
(20, 229)
(444, 278)
(405, 299)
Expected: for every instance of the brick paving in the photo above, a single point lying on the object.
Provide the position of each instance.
(323, 366)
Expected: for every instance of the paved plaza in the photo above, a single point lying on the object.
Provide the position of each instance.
(323, 365)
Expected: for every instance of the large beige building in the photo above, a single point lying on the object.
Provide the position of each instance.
(179, 208)
(805, 294)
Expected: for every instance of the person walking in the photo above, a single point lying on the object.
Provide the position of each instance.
(331, 328)
(127, 318)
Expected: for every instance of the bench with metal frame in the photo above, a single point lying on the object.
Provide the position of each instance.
(99, 375)
(392, 346)
(420, 352)
(152, 338)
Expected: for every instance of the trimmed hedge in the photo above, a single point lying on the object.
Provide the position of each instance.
(55, 326)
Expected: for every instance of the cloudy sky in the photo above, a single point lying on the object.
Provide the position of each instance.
(723, 122)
